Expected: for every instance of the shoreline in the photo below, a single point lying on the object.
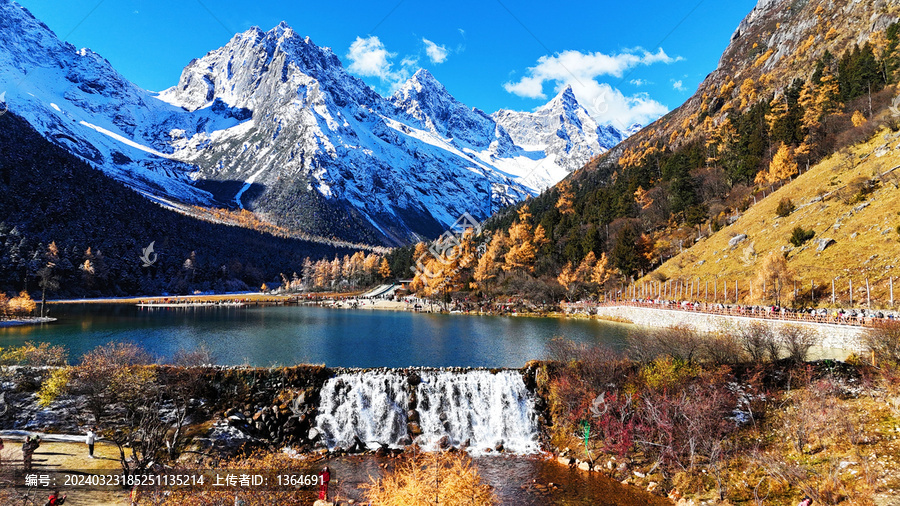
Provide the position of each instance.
(19, 322)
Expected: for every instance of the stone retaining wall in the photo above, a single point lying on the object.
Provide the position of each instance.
(841, 337)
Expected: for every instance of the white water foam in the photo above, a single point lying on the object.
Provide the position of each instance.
(478, 407)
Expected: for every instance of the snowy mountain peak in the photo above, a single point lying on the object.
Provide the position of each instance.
(426, 102)
(257, 67)
(562, 129)
(566, 97)
(422, 85)
(564, 103)
(272, 123)
(425, 79)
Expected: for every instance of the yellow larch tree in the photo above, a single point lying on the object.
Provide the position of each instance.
(772, 280)
(601, 272)
(567, 276)
(22, 304)
(521, 252)
(487, 267)
(586, 268)
(778, 109)
(566, 199)
(384, 270)
(748, 93)
(642, 197)
(782, 167)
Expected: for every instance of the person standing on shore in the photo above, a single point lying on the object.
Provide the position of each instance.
(89, 439)
(324, 478)
(28, 448)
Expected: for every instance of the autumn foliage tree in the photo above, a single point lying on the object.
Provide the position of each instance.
(521, 254)
(488, 267)
(21, 305)
(565, 202)
(349, 271)
(783, 166)
(384, 270)
(772, 278)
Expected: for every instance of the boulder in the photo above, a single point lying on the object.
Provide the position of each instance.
(737, 240)
(823, 243)
(444, 442)
(358, 446)
(412, 415)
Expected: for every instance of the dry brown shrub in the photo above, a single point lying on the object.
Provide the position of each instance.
(759, 341)
(681, 342)
(432, 478)
(797, 341)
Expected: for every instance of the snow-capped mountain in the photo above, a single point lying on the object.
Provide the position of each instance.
(273, 123)
(562, 130)
(77, 100)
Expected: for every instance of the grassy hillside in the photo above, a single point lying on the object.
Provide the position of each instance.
(851, 197)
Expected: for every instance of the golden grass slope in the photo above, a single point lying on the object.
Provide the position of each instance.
(829, 201)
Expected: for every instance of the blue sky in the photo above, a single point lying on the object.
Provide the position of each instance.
(626, 61)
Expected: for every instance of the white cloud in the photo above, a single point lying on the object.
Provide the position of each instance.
(369, 58)
(582, 70)
(640, 82)
(437, 54)
(678, 85)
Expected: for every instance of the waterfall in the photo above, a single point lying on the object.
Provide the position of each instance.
(477, 406)
(480, 407)
(371, 406)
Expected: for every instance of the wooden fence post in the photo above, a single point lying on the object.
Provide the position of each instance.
(868, 295)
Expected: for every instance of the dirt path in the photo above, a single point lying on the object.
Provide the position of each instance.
(64, 456)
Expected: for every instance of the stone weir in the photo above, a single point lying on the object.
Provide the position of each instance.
(355, 410)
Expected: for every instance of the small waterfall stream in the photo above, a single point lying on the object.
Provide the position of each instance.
(479, 407)
(371, 406)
